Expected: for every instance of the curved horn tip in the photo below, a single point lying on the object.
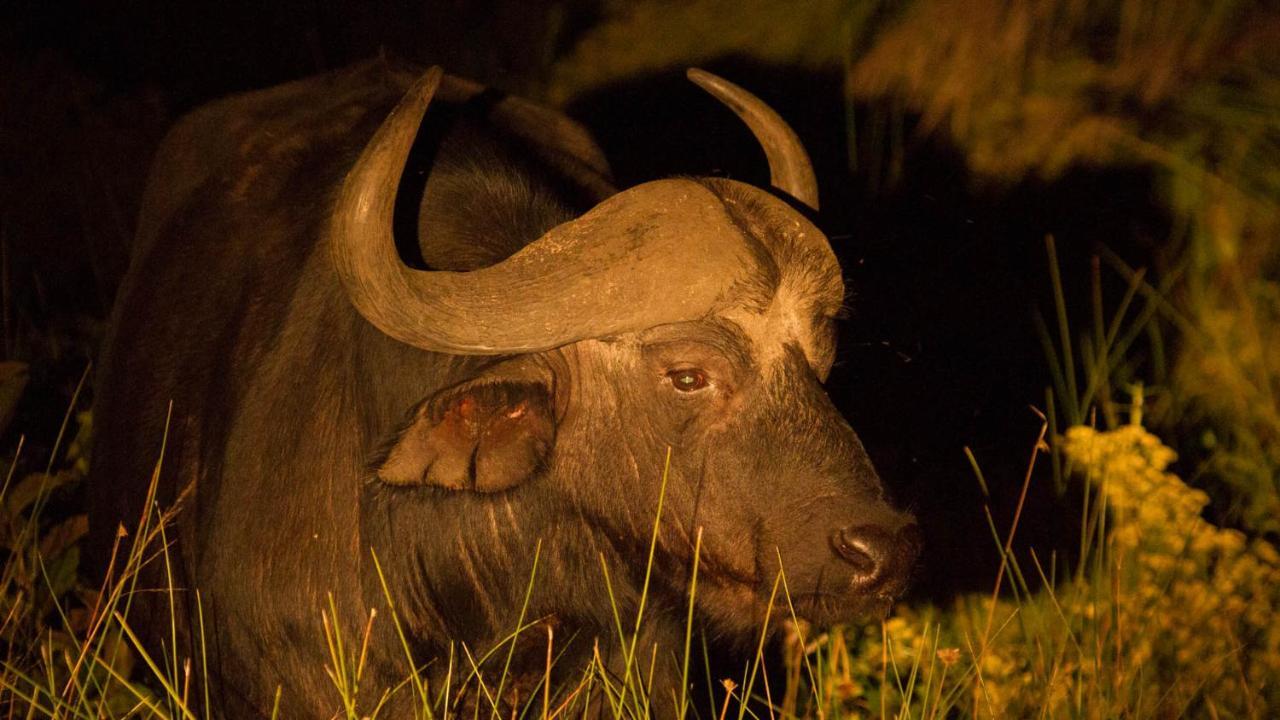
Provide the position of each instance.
(362, 246)
(425, 86)
(697, 74)
(789, 166)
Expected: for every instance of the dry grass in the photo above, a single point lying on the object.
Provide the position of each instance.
(1168, 615)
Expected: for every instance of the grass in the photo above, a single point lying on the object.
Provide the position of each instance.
(1167, 615)
(1164, 614)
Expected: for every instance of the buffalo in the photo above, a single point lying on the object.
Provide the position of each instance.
(391, 334)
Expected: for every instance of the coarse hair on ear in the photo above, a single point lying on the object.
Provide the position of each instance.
(487, 434)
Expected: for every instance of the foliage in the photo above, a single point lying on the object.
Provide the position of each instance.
(1189, 90)
(1190, 601)
(58, 653)
(1170, 616)
(636, 38)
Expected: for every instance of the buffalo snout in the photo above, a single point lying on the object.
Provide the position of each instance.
(881, 558)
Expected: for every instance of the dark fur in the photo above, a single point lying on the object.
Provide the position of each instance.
(203, 321)
(286, 401)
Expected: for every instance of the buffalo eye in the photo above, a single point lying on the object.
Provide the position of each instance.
(688, 379)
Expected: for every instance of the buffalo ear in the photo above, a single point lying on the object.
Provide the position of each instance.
(484, 437)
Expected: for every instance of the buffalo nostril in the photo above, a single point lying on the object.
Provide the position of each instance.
(881, 559)
(857, 549)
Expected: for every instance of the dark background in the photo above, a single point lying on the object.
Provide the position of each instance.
(945, 273)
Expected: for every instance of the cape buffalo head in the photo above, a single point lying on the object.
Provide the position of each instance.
(689, 316)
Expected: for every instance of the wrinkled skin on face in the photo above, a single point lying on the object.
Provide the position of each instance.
(565, 450)
(761, 462)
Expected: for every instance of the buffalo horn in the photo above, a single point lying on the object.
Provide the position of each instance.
(789, 167)
(662, 252)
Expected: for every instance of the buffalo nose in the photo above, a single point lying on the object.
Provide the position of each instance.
(881, 559)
